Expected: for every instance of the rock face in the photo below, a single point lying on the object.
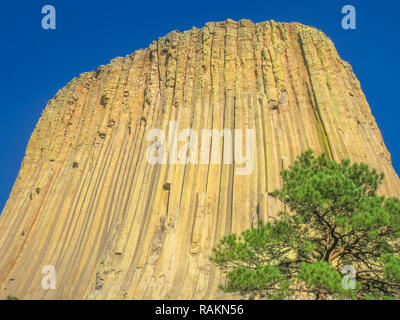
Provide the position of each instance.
(88, 202)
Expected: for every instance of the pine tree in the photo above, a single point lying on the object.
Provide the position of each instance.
(335, 222)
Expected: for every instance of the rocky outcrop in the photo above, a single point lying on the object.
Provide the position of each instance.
(115, 226)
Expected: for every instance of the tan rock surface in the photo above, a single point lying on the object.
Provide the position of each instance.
(116, 227)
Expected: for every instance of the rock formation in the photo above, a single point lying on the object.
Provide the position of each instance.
(115, 226)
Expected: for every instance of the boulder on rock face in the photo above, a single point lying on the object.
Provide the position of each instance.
(116, 226)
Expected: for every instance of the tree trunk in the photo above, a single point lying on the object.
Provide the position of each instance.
(320, 296)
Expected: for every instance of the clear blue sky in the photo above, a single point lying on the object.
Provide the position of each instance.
(35, 63)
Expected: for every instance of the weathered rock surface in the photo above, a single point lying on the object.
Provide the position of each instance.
(116, 227)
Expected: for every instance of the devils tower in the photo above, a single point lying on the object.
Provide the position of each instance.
(113, 225)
